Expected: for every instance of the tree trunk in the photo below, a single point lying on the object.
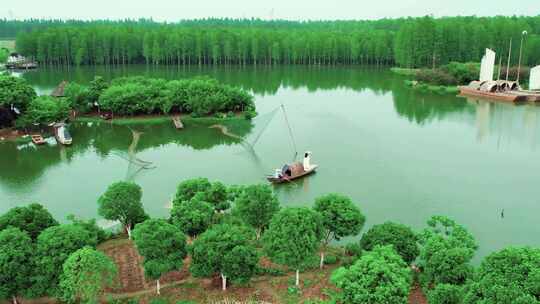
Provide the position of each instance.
(128, 229)
(297, 278)
(15, 300)
(158, 287)
(223, 282)
(322, 260)
(259, 234)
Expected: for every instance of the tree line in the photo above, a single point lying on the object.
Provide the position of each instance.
(408, 42)
(231, 228)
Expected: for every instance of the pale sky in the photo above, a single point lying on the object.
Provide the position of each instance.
(173, 10)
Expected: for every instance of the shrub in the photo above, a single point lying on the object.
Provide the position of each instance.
(463, 73)
(45, 110)
(401, 237)
(353, 249)
(438, 77)
(331, 259)
(446, 294)
(78, 97)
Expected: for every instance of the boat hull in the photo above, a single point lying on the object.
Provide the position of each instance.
(276, 180)
(511, 96)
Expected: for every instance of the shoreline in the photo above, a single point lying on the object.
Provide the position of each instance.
(12, 134)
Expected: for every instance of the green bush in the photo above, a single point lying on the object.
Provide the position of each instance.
(353, 249)
(330, 259)
(78, 97)
(45, 110)
(446, 294)
(438, 77)
(463, 73)
(198, 96)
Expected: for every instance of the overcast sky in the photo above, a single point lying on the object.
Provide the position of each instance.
(172, 10)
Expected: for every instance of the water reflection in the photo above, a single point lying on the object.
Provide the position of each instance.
(507, 123)
(22, 164)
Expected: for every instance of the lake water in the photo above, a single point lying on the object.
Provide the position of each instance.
(401, 155)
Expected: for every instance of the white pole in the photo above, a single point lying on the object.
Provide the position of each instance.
(297, 277)
(520, 51)
(508, 64)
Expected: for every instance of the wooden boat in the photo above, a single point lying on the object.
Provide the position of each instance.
(515, 96)
(61, 134)
(177, 122)
(37, 139)
(293, 171)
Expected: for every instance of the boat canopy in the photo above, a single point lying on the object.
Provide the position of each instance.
(292, 169)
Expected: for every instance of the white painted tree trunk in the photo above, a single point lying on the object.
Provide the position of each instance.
(322, 260)
(297, 278)
(158, 287)
(15, 300)
(258, 234)
(223, 282)
(128, 229)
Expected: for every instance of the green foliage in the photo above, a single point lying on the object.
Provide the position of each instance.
(293, 236)
(200, 96)
(32, 219)
(511, 275)
(214, 252)
(16, 252)
(97, 233)
(192, 217)
(463, 73)
(331, 260)
(256, 204)
(78, 97)
(97, 86)
(86, 274)
(240, 264)
(340, 216)
(15, 91)
(438, 77)
(401, 237)
(4, 54)
(379, 276)
(353, 249)
(200, 189)
(122, 202)
(54, 245)
(45, 110)
(445, 253)
(162, 245)
(446, 294)
(187, 189)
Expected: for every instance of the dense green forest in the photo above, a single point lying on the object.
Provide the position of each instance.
(408, 42)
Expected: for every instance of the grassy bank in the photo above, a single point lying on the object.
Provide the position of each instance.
(8, 44)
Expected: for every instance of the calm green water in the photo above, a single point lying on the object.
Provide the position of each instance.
(402, 155)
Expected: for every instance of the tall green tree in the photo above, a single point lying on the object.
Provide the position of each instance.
(256, 204)
(16, 257)
(163, 247)
(122, 202)
(446, 249)
(508, 276)
(379, 276)
(32, 219)
(226, 250)
(340, 218)
(15, 92)
(192, 217)
(401, 237)
(54, 245)
(293, 236)
(86, 274)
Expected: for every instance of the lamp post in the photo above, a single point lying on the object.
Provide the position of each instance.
(520, 51)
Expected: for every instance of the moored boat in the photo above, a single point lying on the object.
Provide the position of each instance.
(37, 139)
(61, 134)
(293, 171)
